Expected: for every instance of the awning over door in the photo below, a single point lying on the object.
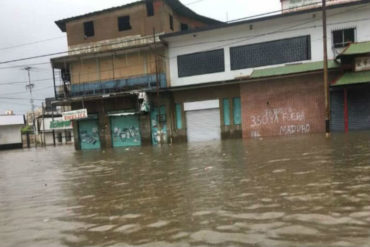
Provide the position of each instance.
(352, 78)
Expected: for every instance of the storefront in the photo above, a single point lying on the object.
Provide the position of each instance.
(125, 129)
(88, 131)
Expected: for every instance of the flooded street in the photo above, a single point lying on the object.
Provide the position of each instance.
(297, 191)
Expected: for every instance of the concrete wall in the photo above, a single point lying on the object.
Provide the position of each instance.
(10, 134)
(201, 94)
(280, 107)
(263, 31)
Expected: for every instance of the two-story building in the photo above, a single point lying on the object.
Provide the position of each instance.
(115, 68)
(261, 76)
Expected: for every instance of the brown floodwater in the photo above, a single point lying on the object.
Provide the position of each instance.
(295, 191)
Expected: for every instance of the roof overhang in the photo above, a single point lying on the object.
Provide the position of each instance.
(261, 19)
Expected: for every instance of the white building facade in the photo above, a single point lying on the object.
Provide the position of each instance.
(265, 73)
(10, 131)
(353, 17)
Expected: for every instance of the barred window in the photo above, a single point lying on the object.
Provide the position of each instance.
(201, 63)
(270, 53)
(342, 38)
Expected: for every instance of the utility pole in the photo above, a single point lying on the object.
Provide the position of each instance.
(326, 84)
(29, 87)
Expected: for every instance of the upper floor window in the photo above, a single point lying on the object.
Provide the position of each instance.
(271, 52)
(149, 8)
(171, 22)
(184, 27)
(89, 29)
(201, 63)
(344, 37)
(124, 23)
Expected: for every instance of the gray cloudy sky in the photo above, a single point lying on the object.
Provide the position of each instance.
(30, 21)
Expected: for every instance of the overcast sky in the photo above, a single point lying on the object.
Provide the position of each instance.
(32, 21)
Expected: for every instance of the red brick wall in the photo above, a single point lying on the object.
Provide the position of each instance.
(280, 107)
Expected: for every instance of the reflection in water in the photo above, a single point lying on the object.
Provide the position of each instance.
(298, 191)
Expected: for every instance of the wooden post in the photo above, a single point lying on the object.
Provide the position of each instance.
(43, 124)
(326, 84)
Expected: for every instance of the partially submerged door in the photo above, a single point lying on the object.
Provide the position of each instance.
(89, 134)
(203, 121)
(125, 131)
(159, 126)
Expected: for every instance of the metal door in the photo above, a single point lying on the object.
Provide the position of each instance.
(125, 131)
(337, 111)
(159, 125)
(359, 108)
(203, 125)
(89, 134)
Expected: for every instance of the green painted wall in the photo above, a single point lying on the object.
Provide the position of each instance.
(237, 111)
(226, 107)
(178, 117)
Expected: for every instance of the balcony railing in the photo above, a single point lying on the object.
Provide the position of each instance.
(112, 86)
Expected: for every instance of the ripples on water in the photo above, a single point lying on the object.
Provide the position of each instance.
(299, 191)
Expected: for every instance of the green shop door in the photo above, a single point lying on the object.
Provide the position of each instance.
(159, 126)
(125, 131)
(89, 134)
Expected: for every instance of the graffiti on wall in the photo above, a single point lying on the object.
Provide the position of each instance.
(127, 134)
(89, 138)
(288, 121)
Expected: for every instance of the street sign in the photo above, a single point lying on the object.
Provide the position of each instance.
(74, 115)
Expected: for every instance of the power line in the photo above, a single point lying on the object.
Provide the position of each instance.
(17, 98)
(24, 65)
(23, 82)
(22, 92)
(81, 49)
(30, 43)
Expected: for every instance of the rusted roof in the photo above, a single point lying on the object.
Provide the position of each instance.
(260, 19)
(292, 69)
(356, 49)
(351, 78)
(176, 6)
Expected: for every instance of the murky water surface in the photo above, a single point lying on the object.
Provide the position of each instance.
(299, 191)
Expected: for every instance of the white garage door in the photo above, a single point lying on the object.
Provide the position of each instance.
(203, 125)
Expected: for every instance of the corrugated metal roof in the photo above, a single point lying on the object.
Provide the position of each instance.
(292, 69)
(356, 49)
(11, 120)
(260, 19)
(353, 78)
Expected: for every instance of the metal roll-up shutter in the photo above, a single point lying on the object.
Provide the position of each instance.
(203, 125)
(359, 109)
(337, 111)
(125, 131)
(89, 134)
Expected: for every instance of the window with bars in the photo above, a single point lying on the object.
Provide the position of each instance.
(201, 63)
(344, 37)
(270, 53)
